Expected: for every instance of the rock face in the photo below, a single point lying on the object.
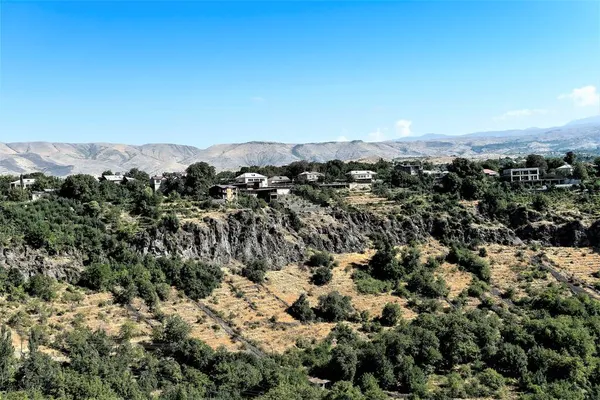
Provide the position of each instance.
(31, 262)
(271, 235)
(569, 234)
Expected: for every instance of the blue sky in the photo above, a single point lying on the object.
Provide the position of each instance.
(202, 73)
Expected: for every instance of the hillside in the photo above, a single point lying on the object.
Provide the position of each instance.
(62, 159)
(416, 288)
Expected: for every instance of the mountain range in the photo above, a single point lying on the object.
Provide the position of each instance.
(63, 159)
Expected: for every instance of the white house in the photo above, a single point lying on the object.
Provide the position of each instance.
(252, 179)
(279, 181)
(362, 176)
(522, 174)
(565, 170)
(22, 183)
(308, 176)
(490, 172)
(156, 181)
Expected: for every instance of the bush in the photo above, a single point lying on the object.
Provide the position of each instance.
(320, 259)
(41, 286)
(255, 271)
(391, 314)
(301, 310)
(469, 261)
(477, 288)
(334, 307)
(322, 276)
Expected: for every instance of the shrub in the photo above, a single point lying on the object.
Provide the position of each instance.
(41, 286)
(334, 307)
(391, 314)
(320, 258)
(322, 276)
(469, 261)
(255, 271)
(477, 288)
(301, 310)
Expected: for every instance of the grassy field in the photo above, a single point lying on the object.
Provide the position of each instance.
(242, 312)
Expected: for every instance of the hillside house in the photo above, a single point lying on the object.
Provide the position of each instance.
(309, 176)
(362, 176)
(251, 179)
(279, 181)
(411, 169)
(156, 181)
(521, 174)
(42, 194)
(565, 170)
(490, 172)
(223, 192)
(116, 178)
(22, 183)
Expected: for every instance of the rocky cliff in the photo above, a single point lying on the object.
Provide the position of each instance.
(273, 236)
(281, 238)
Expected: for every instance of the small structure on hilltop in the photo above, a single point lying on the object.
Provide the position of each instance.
(156, 181)
(279, 181)
(320, 383)
(411, 169)
(362, 176)
(22, 183)
(521, 174)
(565, 170)
(490, 172)
(251, 179)
(223, 192)
(116, 178)
(37, 195)
(309, 176)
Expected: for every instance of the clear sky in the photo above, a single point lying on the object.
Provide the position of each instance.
(202, 73)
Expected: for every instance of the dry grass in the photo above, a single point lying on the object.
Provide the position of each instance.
(581, 263)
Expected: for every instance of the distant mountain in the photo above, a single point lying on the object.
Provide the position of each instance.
(62, 159)
(595, 120)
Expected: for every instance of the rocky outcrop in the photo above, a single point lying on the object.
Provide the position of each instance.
(31, 262)
(569, 234)
(271, 235)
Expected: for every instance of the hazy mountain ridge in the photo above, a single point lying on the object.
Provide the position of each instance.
(68, 158)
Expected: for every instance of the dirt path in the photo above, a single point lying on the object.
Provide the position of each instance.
(227, 328)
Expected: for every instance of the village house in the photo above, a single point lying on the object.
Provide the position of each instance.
(490, 172)
(279, 181)
(309, 177)
(565, 170)
(156, 181)
(521, 174)
(223, 192)
(362, 176)
(116, 178)
(411, 169)
(41, 194)
(22, 183)
(251, 179)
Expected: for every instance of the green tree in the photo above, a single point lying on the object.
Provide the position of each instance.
(570, 158)
(41, 286)
(344, 390)
(255, 271)
(334, 307)
(322, 276)
(343, 363)
(199, 177)
(301, 309)
(80, 187)
(391, 314)
(7, 360)
(535, 160)
(580, 171)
